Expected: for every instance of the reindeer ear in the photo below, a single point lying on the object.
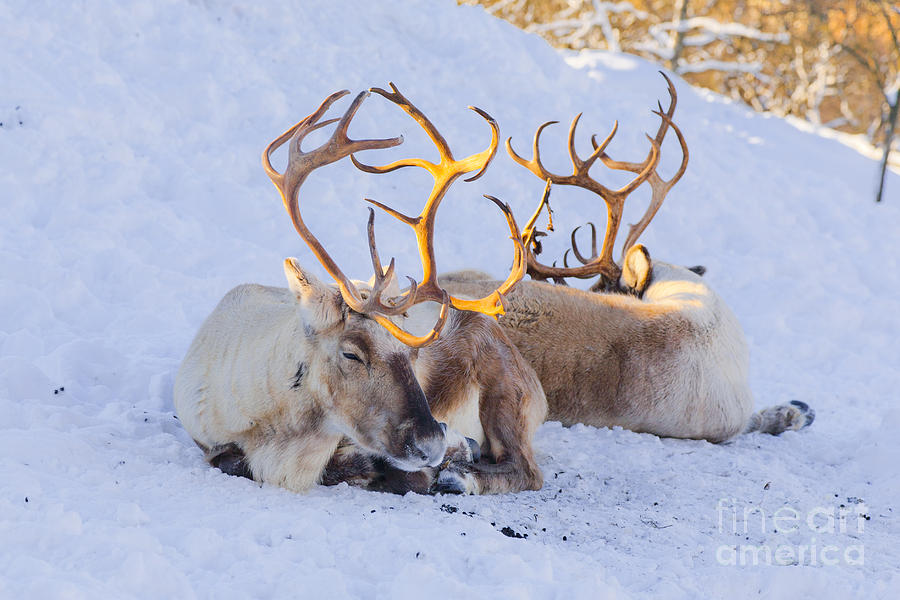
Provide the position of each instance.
(636, 270)
(322, 303)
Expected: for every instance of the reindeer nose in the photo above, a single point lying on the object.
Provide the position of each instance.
(432, 445)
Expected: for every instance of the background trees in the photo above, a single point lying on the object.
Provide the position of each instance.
(834, 63)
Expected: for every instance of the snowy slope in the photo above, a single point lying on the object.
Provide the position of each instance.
(133, 200)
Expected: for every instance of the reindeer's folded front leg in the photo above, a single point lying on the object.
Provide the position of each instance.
(359, 468)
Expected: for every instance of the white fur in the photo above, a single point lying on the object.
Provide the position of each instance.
(235, 384)
(673, 362)
(709, 395)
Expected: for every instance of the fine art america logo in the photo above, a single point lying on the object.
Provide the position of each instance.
(819, 536)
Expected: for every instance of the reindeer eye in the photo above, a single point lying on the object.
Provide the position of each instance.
(351, 356)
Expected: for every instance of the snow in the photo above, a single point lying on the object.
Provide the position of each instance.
(134, 199)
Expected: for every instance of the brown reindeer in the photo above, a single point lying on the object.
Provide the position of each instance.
(651, 347)
(320, 383)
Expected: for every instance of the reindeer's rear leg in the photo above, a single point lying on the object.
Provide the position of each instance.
(228, 458)
(781, 418)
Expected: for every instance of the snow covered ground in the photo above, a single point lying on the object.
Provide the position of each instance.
(133, 199)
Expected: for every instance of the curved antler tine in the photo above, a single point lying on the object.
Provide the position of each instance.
(410, 339)
(281, 139)
(673, 96)
(518, 271)
(494, 303)
(325, 105)
(411, 221)
(400, 100)
(593, 238)
(340, 132)
(685, 155)
(383, 279)
(378, 287)
(399, 304)
(600, 149)
(513, 154)
(673, 99)
(684, 149)
(301, 133)
(537, 145)
(534, 164)
(664, 125)
(576, 161)
(565, 259)
(660, 189)
(650, 163)
(519, 261)
(341, 129)
(409, 296)
(488, 155)
(507, 212)
(373, 250)
(397, 164)
(578, 254)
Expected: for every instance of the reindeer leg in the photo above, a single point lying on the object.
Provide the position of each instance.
(356, 467)
(230, 459)
(783, 417)
(511, 409)
(455, 475)
(350, 464)
(510, 405)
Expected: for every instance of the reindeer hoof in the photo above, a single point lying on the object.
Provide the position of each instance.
(450, 481)
(808, 414)
(230, 459)
(475, 449)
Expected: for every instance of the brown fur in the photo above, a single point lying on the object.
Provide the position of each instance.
(473, 360)
(474, 350)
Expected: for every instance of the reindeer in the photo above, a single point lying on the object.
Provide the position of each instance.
(319, 384)
(651, 347)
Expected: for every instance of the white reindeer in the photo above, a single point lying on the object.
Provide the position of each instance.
(651, 347)
(317, 383)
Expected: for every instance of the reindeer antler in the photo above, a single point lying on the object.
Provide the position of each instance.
(445, 172)
(659, 186)
(339, 145)
(602, 263)
(300, 165)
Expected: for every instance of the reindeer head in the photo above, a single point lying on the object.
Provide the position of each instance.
(362, 377)
(361, 370)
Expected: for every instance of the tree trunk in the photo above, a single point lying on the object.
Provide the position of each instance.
(888, 139)
(681, 9)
